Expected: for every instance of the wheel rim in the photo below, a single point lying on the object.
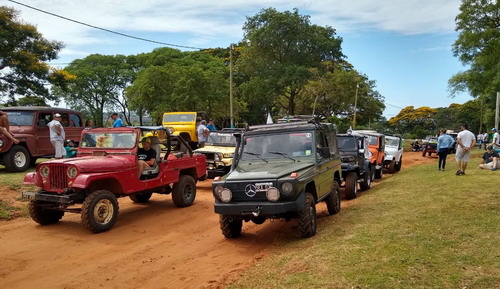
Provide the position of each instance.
(20, 159)
(103, 211)
(368, 180)
(188, 192)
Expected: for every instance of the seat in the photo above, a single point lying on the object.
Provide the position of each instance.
(155, 145)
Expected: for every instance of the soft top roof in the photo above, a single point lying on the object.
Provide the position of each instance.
(293, 126)
(368, 132)
(39, 108)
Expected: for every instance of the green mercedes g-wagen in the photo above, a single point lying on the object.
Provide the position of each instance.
(280, 171)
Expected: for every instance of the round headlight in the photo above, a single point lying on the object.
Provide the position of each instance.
(287, 188)
(226, 195)
(273, 194)
(170, 130)
(228, 155)
(72, 172)
(218, 189)
(217, 158)
(44, 171)
(1, 143)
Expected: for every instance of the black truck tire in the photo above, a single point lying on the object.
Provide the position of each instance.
(307, 217)
(230, 227)
(333, 200)
(379, 173)
(398, 165)
(99, 211)
(18, 159)
(367, 181)
(351, 185)
(184, 191)
(392, 167)
(141, 197)
(42, 215)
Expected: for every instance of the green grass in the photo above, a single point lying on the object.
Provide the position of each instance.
(421, 228)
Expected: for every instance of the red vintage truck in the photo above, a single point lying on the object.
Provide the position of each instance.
(105, 169)
(29, 125)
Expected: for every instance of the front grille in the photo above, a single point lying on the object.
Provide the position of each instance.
(209, 156)
(58, 177)
(239, 195)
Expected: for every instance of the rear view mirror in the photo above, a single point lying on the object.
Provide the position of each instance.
(361, 151)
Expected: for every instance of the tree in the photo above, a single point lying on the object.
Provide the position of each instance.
(284, 46)
(100, 83)
(420, 121)
(23, 53)
(478, 45)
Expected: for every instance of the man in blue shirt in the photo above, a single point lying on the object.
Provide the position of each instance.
(118, 122)
(445, 141)
(211, 126)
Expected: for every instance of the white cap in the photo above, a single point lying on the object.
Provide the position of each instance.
(57, 115)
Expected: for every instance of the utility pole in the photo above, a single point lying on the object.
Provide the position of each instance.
(497, 108)
(231, 86)
(481, 118)
(355, 107)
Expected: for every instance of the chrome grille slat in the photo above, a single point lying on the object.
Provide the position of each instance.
(58, 178)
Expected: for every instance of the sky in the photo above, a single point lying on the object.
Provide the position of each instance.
(404, 45)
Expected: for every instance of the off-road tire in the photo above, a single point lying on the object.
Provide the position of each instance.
(398, 165)
(230, 227)
(430, 153)
(333, 200)
(392, 167)
(424, 151)
(307, 217)
(43, 216)
(184, 191)
(141, 197)
(99, 211)
(379, 173)
(17, 159)
(367, 181)
(351, 185)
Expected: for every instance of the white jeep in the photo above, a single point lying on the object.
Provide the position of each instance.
(393, 154)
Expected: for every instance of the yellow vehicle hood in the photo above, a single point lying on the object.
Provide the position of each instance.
(216, 149)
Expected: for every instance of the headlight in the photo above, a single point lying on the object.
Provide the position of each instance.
(1, 142)
(217, 158)
(170, 130)
(218, 189)
(273, 194)
(287, 188)
(228, 155)
(44, 171)
(72, 172)
(226, 195)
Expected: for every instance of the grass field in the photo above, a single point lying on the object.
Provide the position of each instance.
(421, 228)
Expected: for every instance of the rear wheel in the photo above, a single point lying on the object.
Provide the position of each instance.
(398, 165)
(392, 167)
(424, 152)
(141, 197)
(351, 185)
(17, 159)
(43, 215)
(333, 200)
(99, 211)
(367, 181)
(230, 227)
(379, 173)
(184, 191)
(307, 217)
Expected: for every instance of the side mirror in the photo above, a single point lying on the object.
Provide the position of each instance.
(361, 151)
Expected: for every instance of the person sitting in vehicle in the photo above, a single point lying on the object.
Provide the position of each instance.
(70, 149)
(146, 156)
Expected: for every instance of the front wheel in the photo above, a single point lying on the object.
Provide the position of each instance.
(17, 159)
(351, 185)
(398, 165)
(307, 217)
(230, 227)
(141, 197)
(99, 211)
(367, 181)
(333, 201)
(43, 215)
(184, 191)
(392, 167)
(379, 173)
(424, 152)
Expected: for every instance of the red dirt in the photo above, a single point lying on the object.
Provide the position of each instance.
(152, 245)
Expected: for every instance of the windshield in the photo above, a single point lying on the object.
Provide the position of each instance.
(278, 146)
(372, 140)
(346, 143)
(392, 142)
(183, 117)
(124, 140)
(21, 118)
(219, 138)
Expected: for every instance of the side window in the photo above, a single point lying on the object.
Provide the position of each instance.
(43, 119)
(320, 144)
(332, 142)
(74, 120)
(65, 121)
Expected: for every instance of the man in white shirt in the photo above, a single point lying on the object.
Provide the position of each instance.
(466, 141)
(57, 136)
(202, 132)
(496, 138)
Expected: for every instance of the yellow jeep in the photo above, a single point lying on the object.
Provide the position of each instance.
(183, 124)
(219, 151)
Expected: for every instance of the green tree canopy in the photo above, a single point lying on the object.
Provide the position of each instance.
(23, 53)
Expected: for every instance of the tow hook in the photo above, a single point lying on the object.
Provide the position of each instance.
(257, 212)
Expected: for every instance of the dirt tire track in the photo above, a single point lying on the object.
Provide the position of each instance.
(152, 245)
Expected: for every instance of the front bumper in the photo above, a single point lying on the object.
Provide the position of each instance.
(256, 209)
(51, 198)
(216, 172)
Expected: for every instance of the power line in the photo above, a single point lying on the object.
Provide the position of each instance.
(393, 105)
(104, 29)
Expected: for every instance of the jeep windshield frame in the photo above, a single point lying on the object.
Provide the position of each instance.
(392, 142)
(20, 118)
(108, 140)
(296, 145)
(347, 143)
(218, 138)
(179, 118)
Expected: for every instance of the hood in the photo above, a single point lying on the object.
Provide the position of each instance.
(391, 150)
(262, 170)
(98, 164)
(216, 149)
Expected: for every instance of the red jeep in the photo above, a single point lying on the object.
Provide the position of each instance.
(105, 169)
(29, 125)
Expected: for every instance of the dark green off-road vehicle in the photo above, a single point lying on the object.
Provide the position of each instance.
(280, 171)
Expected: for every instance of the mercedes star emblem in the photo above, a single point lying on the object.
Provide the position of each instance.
(250, 190)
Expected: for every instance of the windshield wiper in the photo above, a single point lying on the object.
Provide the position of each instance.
(283, 154)
(257, 155)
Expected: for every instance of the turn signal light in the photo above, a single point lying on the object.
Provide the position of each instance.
(294, 175)
(217, 178)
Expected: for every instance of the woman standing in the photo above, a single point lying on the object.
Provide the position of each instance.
(445, 141)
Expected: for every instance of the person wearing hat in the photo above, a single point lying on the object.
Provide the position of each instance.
(70, 149)
(57, 136)
(146, 156)
(490, 160)
(496, 138)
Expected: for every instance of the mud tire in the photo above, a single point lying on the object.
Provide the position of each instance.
(367, 181)
(351, 185)
(18, 159)
(43, 216)
(230, 227)
(99, 211)
(398, 165)
(379, 173)
(184, 191)
(307, 217)
(333, 200)
(141, 197)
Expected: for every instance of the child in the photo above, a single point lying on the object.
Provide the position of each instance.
(70, 149)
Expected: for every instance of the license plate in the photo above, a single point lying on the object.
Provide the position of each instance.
(262, 187)
(28, 195)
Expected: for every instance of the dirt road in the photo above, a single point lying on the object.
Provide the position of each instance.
(153, 245)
